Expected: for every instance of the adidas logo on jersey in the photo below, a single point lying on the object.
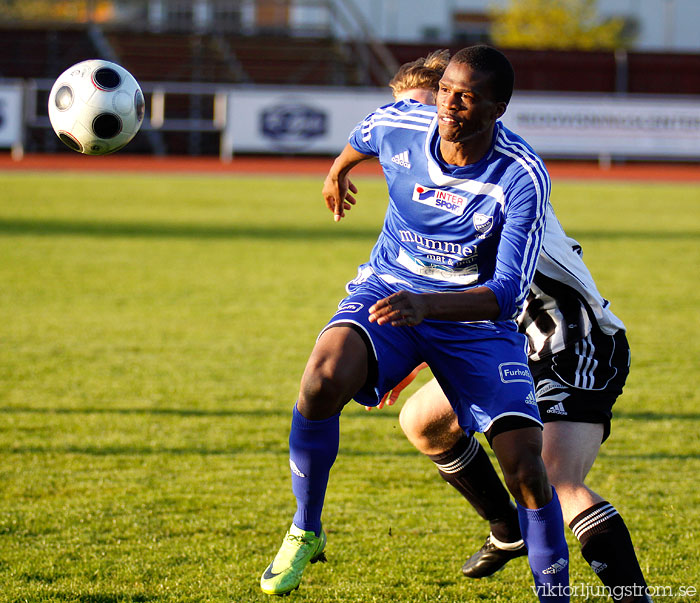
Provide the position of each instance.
(402, 160)
(557, 566)
(598, 566)
(530, 399)
(557, 409)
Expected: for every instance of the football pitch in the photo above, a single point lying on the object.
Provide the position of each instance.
(153, 331)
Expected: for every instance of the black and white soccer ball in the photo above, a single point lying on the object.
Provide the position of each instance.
(96, 107)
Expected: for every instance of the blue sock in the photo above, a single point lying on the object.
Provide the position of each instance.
(313, 446)
(547, 552)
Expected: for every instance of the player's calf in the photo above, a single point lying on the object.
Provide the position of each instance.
(539, 511)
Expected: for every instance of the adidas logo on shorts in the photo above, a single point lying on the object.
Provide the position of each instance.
(402, 160)
(557, 409)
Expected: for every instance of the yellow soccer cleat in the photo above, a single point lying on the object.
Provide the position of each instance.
(298, 549)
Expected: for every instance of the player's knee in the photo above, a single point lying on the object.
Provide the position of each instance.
(415, 425)
(559, 477)
(566, 476)
(527, 482)
(327, 385)
(430, 431)
(318, 388)
(570, 492)
(409, 421)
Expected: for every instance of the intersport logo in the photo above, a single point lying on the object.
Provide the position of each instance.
(440, 199)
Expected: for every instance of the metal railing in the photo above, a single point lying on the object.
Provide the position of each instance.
(206, 113)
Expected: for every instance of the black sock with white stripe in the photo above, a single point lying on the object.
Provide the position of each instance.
(468, 469)
(607, 547)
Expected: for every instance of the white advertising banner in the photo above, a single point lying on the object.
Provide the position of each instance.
(605, 125)
(318, 121)
(296, 120)
(10, 115)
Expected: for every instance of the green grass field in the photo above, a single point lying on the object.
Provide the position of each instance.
(153, 330)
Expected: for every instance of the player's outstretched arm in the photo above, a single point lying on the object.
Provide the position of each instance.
(407, 309)
(337, 187)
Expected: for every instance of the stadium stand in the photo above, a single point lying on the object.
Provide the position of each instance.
(175, 57)
(37, 53)
(663, 73)
(42, 52)
(294, 61)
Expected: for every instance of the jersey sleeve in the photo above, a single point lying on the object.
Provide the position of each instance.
(521, 241)
(366, 137)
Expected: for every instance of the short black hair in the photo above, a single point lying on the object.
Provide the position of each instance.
(489, 60)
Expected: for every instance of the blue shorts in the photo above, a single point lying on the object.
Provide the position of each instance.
(482, 367)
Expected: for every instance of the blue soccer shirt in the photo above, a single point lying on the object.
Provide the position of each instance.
(450, 228)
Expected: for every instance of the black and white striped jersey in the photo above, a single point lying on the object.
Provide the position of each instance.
(564, 302)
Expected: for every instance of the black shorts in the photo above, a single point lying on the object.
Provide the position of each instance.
(582, 382)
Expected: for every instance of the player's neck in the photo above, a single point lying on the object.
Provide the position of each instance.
(466, 152)
(422, 95)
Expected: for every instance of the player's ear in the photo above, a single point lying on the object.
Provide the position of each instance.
(499, 109)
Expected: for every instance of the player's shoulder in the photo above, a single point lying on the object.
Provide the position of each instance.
(402, 113)
(408, 122)
(512, 145)
(523, 159)
(409, 106)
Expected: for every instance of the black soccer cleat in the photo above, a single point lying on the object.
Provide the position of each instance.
(490, 558)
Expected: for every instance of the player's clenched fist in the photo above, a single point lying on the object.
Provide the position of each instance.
(402, 309)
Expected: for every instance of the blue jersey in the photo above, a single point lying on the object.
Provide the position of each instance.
(451, 228)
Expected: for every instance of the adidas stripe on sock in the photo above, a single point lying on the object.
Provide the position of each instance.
(607, 547)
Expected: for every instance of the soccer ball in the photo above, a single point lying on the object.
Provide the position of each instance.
(96, 107)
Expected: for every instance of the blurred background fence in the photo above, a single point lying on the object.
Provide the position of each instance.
(194, 60)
